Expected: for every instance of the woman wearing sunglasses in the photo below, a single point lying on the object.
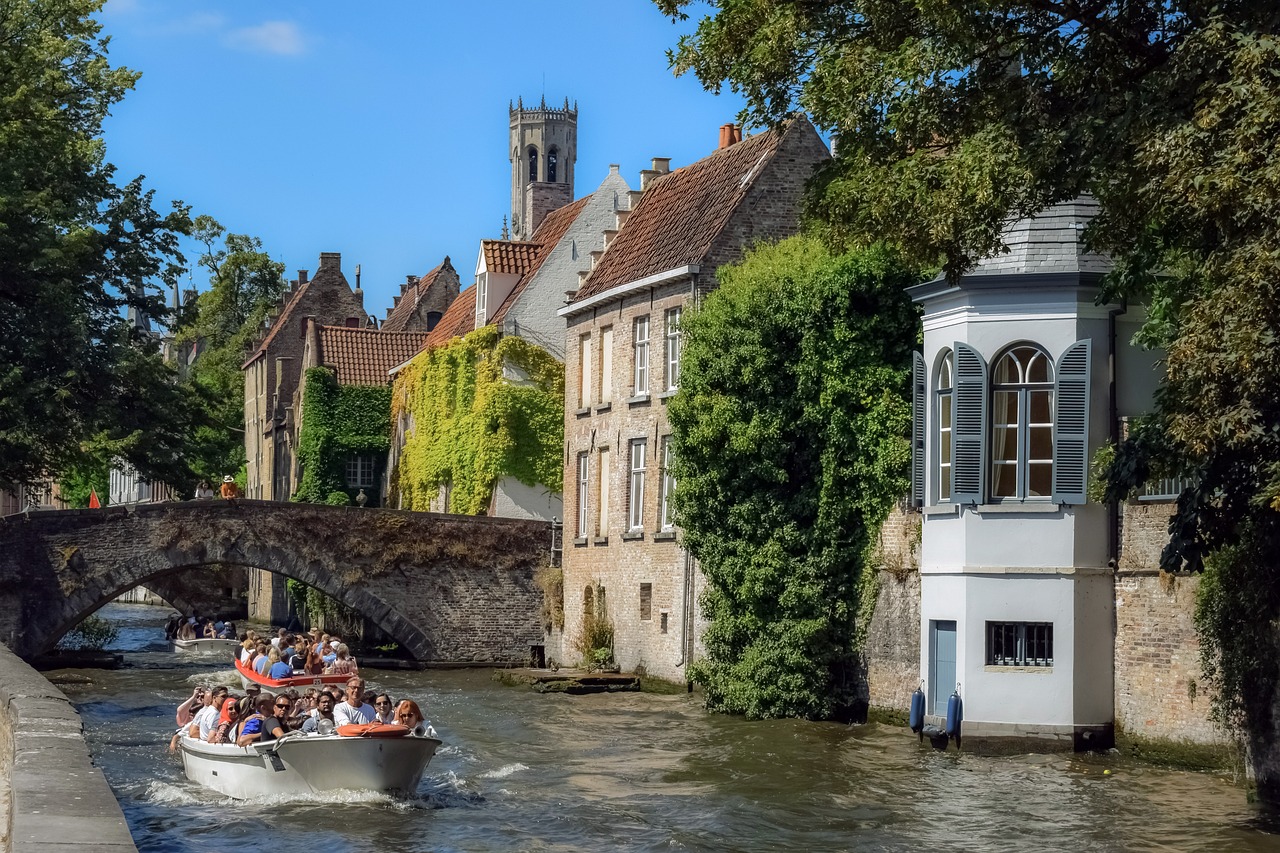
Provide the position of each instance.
(269, 723)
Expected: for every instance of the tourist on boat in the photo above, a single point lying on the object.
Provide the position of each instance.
(408, 713)
(324, 711)
(228, 631)
(188, 709)
(188, 629)
(343, 663)
(384, 709)
(353, 709)
(277, 668)
(261, 660)
(206, 720)
(223, 732)
(172, 626)
(313, 665)
(330, 653)
(210, 632)
(246, 651)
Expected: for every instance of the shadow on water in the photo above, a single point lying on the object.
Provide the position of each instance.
(524, 771)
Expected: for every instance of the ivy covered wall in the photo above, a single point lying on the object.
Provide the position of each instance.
(337, 422)
(479, 409)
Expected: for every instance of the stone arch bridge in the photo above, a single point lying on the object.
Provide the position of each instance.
(447, 588)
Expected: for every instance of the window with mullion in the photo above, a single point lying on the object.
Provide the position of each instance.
(673, 349)
(667, 519)
(641, 337)
(945, 425)
(635, 498)
(1021, 449)
(583, 471)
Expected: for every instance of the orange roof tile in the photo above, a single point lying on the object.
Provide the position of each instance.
(456, 322)
(506, 256)
(364, 356)
(681, 214)
(399, 317)
(547, 235)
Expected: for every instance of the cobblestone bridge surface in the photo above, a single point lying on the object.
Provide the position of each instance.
(448, 588)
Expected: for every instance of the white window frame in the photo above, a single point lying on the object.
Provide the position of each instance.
(640, 334)
(672, 321)
(602, 517)
(360, 471)
(584, 371)
(945, 413)
(606, 365)
(1022, 391)
(584, 474)
(668, 486)
(635, 496)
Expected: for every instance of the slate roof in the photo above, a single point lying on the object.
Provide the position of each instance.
(456, 322)
(364, 356)
(1048, 242)
(549, 233)
(682, 213)
(507, 256)
(399, 317)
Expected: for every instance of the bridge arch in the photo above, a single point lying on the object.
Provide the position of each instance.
(446, 587)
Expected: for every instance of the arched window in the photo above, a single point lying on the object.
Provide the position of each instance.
(533, 164)
(552, 157)
(588, 601)
(944, 389)
(1022, 424)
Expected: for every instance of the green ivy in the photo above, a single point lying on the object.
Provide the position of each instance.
(481, 408)
(339, 421)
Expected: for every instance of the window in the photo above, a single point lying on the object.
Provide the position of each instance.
(642, 355)
(533, 165)
(673, 349)
(635, 498)
(482, 295)
(1022, 425)
(646, 602)
(1020, 644)
(668, 486)
(359, 471)
(945, 387)
(583, 471)
(551, 165)
(602, 524)
(606, 364)
(433, 319)
(584, 371)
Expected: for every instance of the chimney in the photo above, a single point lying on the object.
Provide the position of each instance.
(334, 258)
(726, 136)
(647, 177)
(302, 277)
(662, 165)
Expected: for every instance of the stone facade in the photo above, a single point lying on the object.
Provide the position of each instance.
(537, 135)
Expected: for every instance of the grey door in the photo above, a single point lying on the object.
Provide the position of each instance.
(942, 669)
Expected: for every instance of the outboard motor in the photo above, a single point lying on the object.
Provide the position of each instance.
(916, 718)
(955, 713)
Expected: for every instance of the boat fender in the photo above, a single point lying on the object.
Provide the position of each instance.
(917, 709)
(373, 730)
(955, 713)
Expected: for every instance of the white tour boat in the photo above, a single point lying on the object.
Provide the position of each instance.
(203, 646)
(380, 758)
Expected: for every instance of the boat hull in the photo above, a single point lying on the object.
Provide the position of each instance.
(249, 676)
(308, 764)
(203, 646)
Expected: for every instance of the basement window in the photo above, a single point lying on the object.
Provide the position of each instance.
(1020, 644)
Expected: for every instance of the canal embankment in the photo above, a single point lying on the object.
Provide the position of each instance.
(52, 796)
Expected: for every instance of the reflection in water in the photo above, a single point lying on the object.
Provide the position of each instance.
(524, 771)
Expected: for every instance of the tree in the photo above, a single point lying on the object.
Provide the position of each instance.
(790, 449)
(953, 117)
(243, 285)
(76, 248)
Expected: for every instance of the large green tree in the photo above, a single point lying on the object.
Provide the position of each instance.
(790, 449)
(954, 115)
(78, 385)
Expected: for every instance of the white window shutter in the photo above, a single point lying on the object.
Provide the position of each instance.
(919, 397)
(969, 430)
(1071, 425)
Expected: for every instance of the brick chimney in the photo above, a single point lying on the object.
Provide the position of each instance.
(302, 277)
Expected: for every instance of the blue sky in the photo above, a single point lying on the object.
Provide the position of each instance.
(379, 130)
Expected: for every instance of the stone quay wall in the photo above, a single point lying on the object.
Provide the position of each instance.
(52, 797)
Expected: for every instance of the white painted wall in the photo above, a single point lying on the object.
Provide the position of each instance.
(513, 499)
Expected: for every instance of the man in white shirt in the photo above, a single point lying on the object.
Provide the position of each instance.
(353, 709)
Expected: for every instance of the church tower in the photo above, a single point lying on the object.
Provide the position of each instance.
(544, 147)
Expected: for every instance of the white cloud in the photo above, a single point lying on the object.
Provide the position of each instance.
(282, 38)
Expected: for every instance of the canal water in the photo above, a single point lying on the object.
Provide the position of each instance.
(642, 772)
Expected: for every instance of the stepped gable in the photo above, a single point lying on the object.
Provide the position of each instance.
(1048, 242)
(366, 356)
(548, 235)
(682, 213)
(399, 316)
(456, 322)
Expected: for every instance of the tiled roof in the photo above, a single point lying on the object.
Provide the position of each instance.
(548, 234)
(456, 322)
(364, 356)
(505, 256)
(286, 315)
(681, 214)
(1048, 242)
(398, 319)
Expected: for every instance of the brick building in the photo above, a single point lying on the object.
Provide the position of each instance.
(423, 300)
(622, 367)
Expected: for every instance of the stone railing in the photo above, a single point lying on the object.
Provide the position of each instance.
(52, 797)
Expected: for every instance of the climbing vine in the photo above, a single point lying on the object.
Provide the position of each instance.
(479, 409)
(339, 421)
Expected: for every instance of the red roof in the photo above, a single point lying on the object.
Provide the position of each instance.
(549, 233)
(506, 256)
(398, 319)
(456, 322)
(681, 214)
(365, 356)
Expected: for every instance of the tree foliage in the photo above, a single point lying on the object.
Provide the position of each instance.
(790, 449)
(78, 386)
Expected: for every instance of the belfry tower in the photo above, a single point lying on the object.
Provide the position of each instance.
(544, 147)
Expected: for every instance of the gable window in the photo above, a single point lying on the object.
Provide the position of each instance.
(944, 414)
(1020, 644)
(641, 338)
(1022, 424)
(583, 472)
(673, 349)
(635, 497)
(359, 471)
(668, 486)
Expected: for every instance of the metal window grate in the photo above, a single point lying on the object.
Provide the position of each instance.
(1020, 644)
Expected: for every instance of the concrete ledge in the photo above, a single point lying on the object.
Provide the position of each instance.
(57, 800)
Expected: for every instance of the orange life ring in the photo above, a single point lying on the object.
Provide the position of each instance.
(373, 730)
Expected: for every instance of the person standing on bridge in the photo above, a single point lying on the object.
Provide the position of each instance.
(230, 491)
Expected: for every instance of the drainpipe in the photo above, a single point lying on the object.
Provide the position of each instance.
(1113, 428)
